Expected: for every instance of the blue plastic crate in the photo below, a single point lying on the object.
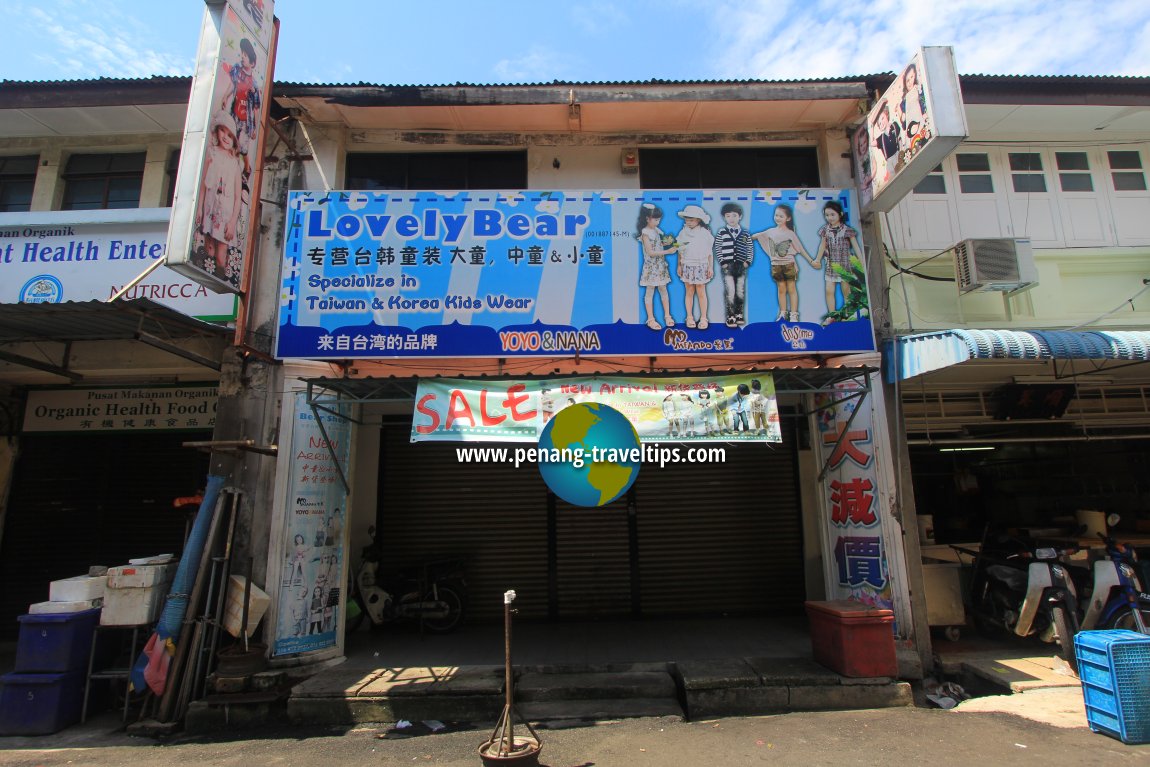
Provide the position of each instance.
(55, 642)
(1115, 670)
(40, 704)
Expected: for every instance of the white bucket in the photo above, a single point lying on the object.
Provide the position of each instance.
(926, 529)
(1094, 521)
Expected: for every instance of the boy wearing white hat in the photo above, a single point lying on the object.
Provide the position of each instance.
(696, 264)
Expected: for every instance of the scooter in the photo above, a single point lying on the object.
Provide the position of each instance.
(434, 594)
(1029, 593)
(1119, 599)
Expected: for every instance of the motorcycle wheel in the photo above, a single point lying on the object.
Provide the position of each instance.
(454, 601)
(1124, 619)
(1065, 637)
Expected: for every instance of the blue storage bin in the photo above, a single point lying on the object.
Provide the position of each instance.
(40, 704)
(55, 642)
(1114, 667)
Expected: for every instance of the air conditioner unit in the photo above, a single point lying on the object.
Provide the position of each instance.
(999, 264)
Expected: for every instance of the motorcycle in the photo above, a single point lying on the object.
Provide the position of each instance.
(1029, 593)
(1119, 599)
(434, 594)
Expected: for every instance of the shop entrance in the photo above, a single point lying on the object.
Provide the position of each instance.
(691, 539)
(91, 499)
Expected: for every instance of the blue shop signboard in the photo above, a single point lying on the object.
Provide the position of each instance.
(376, 275)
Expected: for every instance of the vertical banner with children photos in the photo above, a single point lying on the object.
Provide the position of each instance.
(380, 275)
(717, 408)
(218, 178)
(852, 497)
(310, 599)
(913, 126)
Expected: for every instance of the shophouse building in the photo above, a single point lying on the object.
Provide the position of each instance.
(98, 395)
(1020, 355)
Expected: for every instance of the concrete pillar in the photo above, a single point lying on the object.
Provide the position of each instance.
(904, 510)
(155, 183)
(48, 190)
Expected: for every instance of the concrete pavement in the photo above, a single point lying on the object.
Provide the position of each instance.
(897, 736)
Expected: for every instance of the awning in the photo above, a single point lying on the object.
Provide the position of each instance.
(909, 356)
(138, 319)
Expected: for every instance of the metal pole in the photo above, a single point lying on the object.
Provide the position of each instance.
(244, 608)
(508, 676)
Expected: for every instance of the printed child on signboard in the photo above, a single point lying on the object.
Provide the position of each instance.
(219, 204)
(688, 410)
(837, 242)
(781, 244)
(546, 405)
(316, 611)
(299, 613)
(734, 250)
(885, 138)
(740, 405)
(241, 100)
(722, 417)
(696, 265)
(758, 407)
(707, 412)
(912, 109)
(862, 151)
(886, 132)
(656, 274)
(671, 413)
(296, 557)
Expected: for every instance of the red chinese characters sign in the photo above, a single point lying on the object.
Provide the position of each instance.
(853, 522)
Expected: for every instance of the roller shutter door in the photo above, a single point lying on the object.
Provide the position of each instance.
(91, 499)
(723, 538)
(707, 538)
(493, 515)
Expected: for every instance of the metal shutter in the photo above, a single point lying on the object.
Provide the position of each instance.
(593, 564)
(722, 538)
(493, 515)
(711, 538)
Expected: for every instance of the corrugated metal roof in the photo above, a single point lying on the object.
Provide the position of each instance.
(99, 321)
(973, 78)
(914, 355)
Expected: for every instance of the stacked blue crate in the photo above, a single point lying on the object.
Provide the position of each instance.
(1115, 670)
(45, 692)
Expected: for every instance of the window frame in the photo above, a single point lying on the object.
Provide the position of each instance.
(11, 179)
(402, 162)
(108, 175)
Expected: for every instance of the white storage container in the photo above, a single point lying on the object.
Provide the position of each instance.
(135, 594)
(78, 589)
(75, 606)
(140, 576)
(258, 602)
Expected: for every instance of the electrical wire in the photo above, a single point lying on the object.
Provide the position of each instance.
(1128, 302)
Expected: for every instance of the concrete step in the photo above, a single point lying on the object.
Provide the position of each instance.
(628, 685)
(613, 708)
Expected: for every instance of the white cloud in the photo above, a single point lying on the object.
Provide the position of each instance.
(772, 40)
(536, 65)
(109, 45)
(598, 17)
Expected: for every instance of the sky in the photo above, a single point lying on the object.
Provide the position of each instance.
(437, 42)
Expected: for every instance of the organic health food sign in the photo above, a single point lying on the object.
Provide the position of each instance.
(699, 409)
(539, 273)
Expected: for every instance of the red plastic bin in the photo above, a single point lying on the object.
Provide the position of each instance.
(853, 639)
